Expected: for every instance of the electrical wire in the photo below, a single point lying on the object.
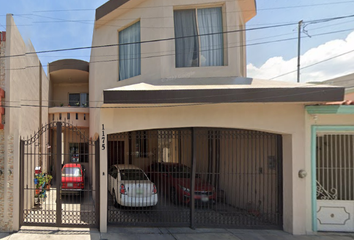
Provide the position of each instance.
(172, 53)
(173, 38)
(325, 60)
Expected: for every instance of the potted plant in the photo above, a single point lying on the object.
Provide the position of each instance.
(62, 104)
(48, 179)
(78, 104)
(39, 181)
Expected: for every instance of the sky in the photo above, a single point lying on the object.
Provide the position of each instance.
(327, 48)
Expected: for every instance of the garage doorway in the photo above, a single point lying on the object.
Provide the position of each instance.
(198, 177)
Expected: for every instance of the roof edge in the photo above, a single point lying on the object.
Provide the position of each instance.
(109, 7)
(241, 95)
(73, 64)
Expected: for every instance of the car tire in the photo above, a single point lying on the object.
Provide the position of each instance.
(173, 195)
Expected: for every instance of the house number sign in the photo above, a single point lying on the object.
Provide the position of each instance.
(103, 138)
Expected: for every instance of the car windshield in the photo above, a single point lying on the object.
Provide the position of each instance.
(179, 171)
(132, 174)
(71, 172)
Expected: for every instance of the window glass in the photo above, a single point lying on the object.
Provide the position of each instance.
(141, 144)
(129, 52)
(208, 48)
(187, 44)
(84, 100)
(74, 99)
(71, 172)
(79, 152)
(132, 174)
(180, 171)
(113, 172)
(211, 44)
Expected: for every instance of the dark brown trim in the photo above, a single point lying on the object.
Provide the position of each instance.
(108, 7)
(22, 188)
(64, 64)
(314, 94)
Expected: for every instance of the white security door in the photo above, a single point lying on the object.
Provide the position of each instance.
(335, 177)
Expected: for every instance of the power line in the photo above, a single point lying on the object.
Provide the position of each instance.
(175, 38)
(172, 53)
(325, 60)
(162, 6)
(147, 41)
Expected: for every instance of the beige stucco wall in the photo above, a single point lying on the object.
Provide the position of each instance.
(21, 88)
(2, 140)
(285, 119)
(60, 92)
(158, 23)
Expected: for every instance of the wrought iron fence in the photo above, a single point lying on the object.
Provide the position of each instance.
(199, 177)
(58, 184)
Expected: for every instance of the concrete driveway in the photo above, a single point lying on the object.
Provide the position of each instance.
(163, 233)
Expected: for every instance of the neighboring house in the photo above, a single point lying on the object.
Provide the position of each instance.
(167, 83)
(21, 78)
(330, 128)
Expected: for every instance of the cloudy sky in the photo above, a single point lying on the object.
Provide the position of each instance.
(331, 41)
(327, 48)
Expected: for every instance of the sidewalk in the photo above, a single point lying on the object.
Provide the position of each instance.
(36, 233)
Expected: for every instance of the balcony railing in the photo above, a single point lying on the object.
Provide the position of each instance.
(70, 104)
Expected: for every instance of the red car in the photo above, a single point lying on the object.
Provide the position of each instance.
(72, 178)
(174, 179)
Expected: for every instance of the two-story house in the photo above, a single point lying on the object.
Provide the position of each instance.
(164, 111)
(169, 86)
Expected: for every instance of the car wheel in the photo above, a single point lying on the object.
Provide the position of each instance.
(173, 195)
(115, 204)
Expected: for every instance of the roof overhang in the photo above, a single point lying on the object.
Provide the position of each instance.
(113, 8)
(228, 90)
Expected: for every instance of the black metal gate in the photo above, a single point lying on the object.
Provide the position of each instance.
(59, 180)
(198, 177)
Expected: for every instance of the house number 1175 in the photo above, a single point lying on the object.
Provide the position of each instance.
(103, 138)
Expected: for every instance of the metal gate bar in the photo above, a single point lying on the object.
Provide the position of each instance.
(334, 166)
(205, 177)
(46, 207)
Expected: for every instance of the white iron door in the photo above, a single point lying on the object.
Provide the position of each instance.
(335, 177)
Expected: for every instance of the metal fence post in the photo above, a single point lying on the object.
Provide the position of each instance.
(58, 174)
(193, 170)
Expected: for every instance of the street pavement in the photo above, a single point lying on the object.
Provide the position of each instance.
(37, 233)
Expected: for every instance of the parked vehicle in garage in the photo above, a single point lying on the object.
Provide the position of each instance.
(72, 178)
(130, 187)
(174, 179)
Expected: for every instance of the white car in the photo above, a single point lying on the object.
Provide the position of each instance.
(130, 187)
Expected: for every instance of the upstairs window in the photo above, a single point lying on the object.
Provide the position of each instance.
(129, 52)
(197, 40)
(79, 99)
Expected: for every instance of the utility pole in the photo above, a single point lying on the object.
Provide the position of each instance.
(299, 51)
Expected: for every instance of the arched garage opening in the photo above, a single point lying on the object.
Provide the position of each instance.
(198, 177)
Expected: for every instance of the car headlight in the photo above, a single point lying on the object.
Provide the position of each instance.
(184, 188)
